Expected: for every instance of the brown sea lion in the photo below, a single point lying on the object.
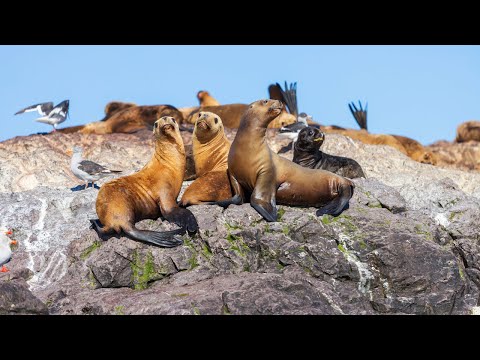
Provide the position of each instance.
(367, 138)
(205, 99)
(264, 178)
(232, 114)
(132, 119)
(416, 151)
(307, 153)
(115, 106)
(468, 131)
(210, 152)
(149, 193)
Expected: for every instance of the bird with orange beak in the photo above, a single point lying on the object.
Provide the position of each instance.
(5, 250)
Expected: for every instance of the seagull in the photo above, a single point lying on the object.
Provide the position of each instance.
(50, 115)
(87, 170)
(291, 131)
(5, 251)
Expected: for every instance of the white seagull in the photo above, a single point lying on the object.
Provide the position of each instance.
(5, 251)
(87, 170)
(50, 115)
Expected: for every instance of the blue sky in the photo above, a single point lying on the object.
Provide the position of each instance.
(422, 92)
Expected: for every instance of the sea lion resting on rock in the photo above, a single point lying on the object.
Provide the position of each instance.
(367, 138)
(307, 153)
(115, 106)
(416, 151)
(132, 119)
(149, 193)
(258, 174)
(231, 115)
(210, 152)
(468, 131)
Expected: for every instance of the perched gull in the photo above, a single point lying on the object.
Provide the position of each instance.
(5, 251)
(50, 115)
(87, 170)
(291, 131)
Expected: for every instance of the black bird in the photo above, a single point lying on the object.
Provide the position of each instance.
(359, 115)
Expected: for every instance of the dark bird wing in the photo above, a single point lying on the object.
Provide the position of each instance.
(275, 92)
(61, 109)
(290, 96)
(360, 115)
(42, 108)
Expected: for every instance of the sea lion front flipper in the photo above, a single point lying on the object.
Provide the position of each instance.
(183, 218)
(263, 196)
(238, 197)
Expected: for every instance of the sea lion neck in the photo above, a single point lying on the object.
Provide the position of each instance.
(166, 148)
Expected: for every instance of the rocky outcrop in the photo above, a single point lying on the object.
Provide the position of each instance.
(407, 244)
(464, 156)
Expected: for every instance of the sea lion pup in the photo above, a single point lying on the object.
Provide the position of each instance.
(258, 174)
(416, 151)
(231, 115)
(468, 131)
(149, 193)
(132, 119)
(210, 152)
(307, 153)
(205, 99)
(115, 106)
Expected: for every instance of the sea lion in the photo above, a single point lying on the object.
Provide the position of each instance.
(205, 99)
(468, 131)
(367, 138)
(307, 153)
(132, 119)
(210, 152)
(417, 151)
(258, 174)
(149, 193)
(231, 115)
(115, 106)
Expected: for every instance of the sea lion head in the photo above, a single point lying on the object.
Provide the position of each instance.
(428, 158)
(207, 126)
(264, 111)
(310, 139)
(166, 128)
(201, 94)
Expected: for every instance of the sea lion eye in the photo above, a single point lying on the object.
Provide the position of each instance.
(174, 121)
(199, 114)
(265, 101)
(216, 120)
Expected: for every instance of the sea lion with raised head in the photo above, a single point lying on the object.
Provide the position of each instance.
(307, 153)
(205, 99)
(149, 193)
(264, 178)
(417, 151)
(210, 153)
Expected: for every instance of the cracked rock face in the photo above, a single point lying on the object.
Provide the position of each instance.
(408, 243)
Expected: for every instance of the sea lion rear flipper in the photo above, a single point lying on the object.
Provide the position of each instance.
(162, 239)
(359, 115)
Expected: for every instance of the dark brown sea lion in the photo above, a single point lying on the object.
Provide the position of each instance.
(210, 152)
(205, 99)
(232, 114)
(468, 131)
(115, 106)
(149, 193)
(264, 178)
(132, 119)
(307, 153)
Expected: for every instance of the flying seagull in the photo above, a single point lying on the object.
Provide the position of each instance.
(5, 251)
(87, 170)
(50, 115)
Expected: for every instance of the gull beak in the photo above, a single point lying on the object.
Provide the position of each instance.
(13, 242)
(9, 232)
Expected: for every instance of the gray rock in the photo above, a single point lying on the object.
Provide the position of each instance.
(15, 298)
